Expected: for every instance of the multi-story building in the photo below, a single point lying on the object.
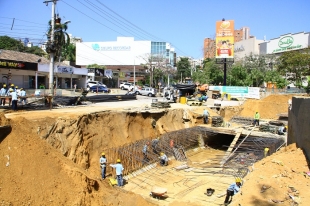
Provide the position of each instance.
(125, 59)
(209, 46)
(246, 47)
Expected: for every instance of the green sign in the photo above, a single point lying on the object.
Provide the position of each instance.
(286, 41)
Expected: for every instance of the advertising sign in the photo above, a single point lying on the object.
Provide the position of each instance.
(288, 42)
(235, 91)
(65, 70)
(10, 64)
(225, 39)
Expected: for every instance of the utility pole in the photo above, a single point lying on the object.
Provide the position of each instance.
(52, 53)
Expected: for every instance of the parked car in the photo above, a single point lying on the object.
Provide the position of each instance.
(147, 91)
(94, 83)
(100, 89)
(125, 86)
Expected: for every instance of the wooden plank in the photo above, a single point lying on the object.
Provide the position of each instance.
(232, 145)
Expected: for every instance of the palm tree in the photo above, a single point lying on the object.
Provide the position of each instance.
(61, 38)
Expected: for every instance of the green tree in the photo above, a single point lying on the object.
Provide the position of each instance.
(238, 76)
(183, 68)
(210, 73)
(9, 43)
(69, 53)
(295, 65)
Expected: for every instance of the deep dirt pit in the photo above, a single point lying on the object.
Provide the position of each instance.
(62, 168)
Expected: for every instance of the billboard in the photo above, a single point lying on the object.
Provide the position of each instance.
(224, 39)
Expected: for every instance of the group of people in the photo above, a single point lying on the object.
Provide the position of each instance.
(162, 156)
(13, 93)
(118, 169)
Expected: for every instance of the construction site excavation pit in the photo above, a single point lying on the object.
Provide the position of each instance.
(198, 160)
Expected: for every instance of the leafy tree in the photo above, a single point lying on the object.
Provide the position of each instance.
(35, 50)
(69, 53)
(238, 76)
(9, 43)
(295, 65)
(183, 68)
(211, 73)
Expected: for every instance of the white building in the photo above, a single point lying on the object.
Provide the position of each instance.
(123, 58)
(246, 47)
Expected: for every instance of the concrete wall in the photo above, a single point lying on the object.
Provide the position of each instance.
(299, 124)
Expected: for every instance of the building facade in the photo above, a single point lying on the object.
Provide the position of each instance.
(246, 47)
(30, 71)
(125, 59)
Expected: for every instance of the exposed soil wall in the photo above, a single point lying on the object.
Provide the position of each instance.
(299, 127)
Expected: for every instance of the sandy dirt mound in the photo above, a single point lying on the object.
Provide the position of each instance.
(268, 107)
(275, 177)
(34, 173)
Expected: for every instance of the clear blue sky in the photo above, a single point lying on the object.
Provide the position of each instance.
(185, 24)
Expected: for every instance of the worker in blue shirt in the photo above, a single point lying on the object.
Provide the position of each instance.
(232, 190)
(14, 99)
(145, 151)
(119, 172)
(206, 116)
(103, 165)
(163, 159)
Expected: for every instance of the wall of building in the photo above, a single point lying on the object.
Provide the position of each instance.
(246, 47)
(298, 124)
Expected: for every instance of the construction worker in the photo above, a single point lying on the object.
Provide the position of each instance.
(163, 159)
(14, 99)
(103, 165)
(17, 90)
(145, 151)
(282, 130)
(119, 172)
(206, 116)
(256, 118)
(3, 92)
(22, 94)
(154, 145)
(266, 151)
(232, 190)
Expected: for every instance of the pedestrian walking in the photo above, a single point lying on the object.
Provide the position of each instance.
(103, 165)
(119, 172)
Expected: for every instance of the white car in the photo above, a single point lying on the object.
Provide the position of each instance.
(126, 86)
(94, 83)
(147, 91)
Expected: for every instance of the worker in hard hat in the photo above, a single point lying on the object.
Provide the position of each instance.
(22, 95)
(256, 118)
(206, 116)
(17, 90)
(3, 92)
(119, 172)
(163, 159)
(154, 145)
(232, 190)
(266, 151)
(282, 130)
(103, 165)
(13, 94)
(145, 152)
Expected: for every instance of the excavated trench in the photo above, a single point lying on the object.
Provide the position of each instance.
(122, 134)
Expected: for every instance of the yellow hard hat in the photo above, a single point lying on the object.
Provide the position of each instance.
(161, 153)
(238, 179)
(4, 85)
(16, 87)
(286, 127)
(118, 160)
(21, 88)
(11, 90)
(102, 153)
(12, 85)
